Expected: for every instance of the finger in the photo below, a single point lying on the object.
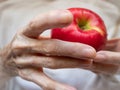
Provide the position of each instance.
(111, 45)
(42, 80)
(55, 63)
(101, 68)
(56, 47)
(108, 57)
(95, 67)
(46, 21)
(52, 62)
(63, 48)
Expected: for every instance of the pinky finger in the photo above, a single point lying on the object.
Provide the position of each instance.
(42, 80)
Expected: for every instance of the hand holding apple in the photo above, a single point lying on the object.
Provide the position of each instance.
(87, 27)
(22, 56)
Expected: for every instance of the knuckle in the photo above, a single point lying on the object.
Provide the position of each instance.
(33, 61)
(49, 47)
(49, 63)
(25, 74)
(31, 25)
(36, 24)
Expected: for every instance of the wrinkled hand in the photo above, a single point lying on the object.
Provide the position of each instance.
(108, 61)
(29, 52)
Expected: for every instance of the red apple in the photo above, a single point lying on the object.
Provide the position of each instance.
(87, 27)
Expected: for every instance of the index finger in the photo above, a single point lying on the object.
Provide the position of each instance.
(46, 21)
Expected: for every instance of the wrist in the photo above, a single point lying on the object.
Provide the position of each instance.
(2, 67)
(4, 76)
(7, 64)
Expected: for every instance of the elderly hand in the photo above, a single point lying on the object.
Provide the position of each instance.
(29, 52)
(108, 61)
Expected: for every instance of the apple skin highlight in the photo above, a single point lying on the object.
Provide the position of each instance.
(87, 27)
